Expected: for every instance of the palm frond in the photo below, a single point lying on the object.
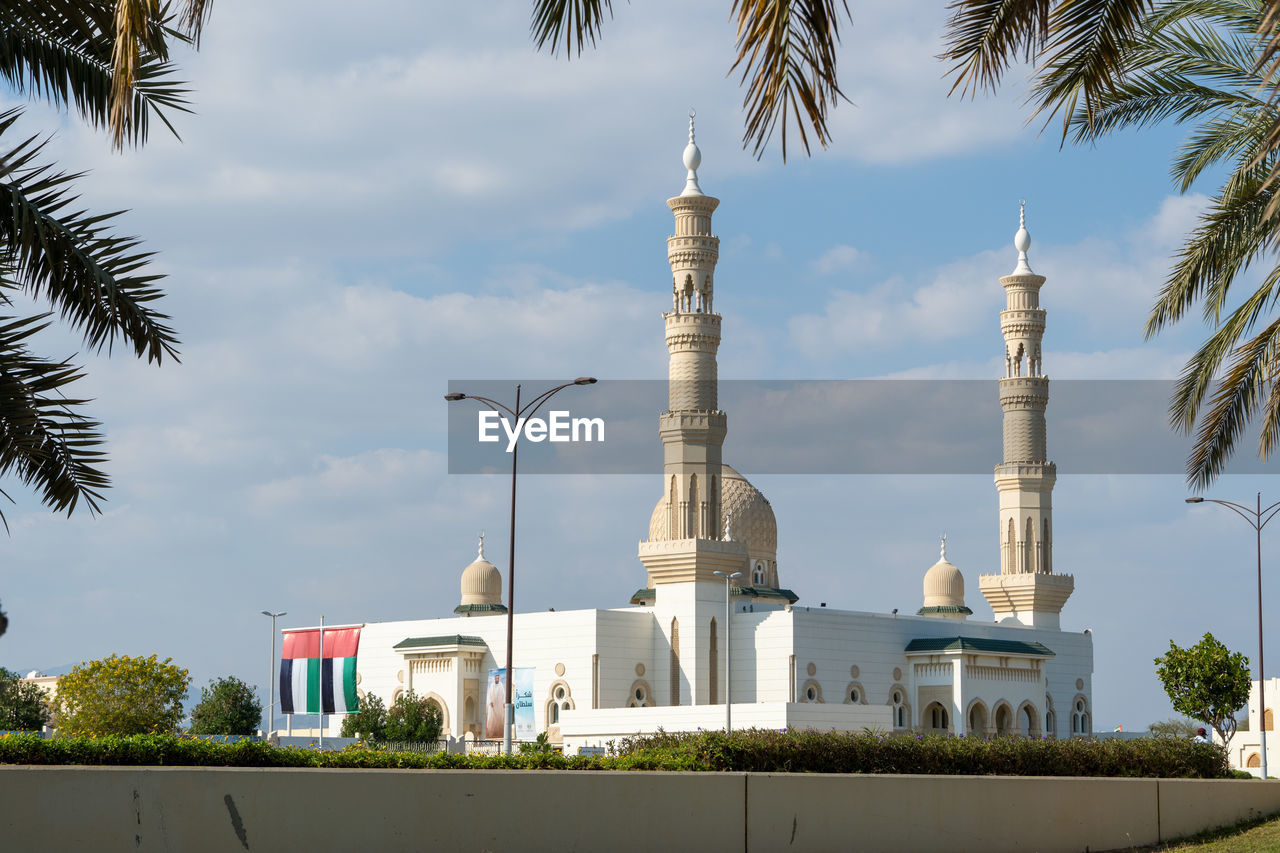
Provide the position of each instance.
(1247, 385)
(984, 37)
(787, 53)
(96, 280)
(44, 439)
(567, 24)
(1083, 58)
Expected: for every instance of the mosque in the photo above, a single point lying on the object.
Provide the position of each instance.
(586, 677)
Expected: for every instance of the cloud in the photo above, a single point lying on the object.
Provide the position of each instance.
(838, 259)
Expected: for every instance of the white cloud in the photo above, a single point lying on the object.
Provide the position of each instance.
(838, 259)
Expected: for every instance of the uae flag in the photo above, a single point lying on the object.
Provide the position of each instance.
(312, 683)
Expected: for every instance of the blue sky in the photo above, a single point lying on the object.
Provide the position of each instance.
(364, 208)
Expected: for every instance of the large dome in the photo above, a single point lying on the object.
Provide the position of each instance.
(752, 522)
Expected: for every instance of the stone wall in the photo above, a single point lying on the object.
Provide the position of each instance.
(197, 809)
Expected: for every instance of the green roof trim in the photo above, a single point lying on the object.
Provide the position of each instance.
(767, 592)
(976, 644)
(448, 640)
(480, 608)
(646, 596)
(944, 608)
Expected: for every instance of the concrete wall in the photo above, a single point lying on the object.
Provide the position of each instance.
(215, 809)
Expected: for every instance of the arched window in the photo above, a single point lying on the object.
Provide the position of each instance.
(1080, 715)
(1255, 760)
(691, 522)
(1268, 721)
(757, 575)
(901, 711)
(469, 710)
(713, 664)
(640, 696)
(1050, 718)
(673, 510)
(854, 694)
(675, 661)
(713, 510)
(1029, 549)
(1047, 559)
(811, 692)
(559, 698)
(1010, 543)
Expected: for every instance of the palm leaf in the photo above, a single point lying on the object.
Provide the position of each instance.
(567, 24)
(787, 53)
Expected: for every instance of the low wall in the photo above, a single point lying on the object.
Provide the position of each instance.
(216, 809)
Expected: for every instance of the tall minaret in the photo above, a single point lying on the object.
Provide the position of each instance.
(687, 544)
(1026, 590)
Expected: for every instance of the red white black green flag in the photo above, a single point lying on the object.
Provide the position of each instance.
(312, 682)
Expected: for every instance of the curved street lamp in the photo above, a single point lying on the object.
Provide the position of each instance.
(728, 648)
(271, 680)
(1257, 517)
(516, 412)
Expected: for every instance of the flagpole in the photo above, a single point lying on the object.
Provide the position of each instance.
(321, 691)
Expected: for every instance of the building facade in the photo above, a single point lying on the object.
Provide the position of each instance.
(597, 675)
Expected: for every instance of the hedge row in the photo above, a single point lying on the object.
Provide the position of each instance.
(752, 750)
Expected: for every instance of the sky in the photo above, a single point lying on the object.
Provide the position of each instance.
(363, 208)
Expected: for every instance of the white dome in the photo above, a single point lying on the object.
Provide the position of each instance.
(481, 581)
(943, 585)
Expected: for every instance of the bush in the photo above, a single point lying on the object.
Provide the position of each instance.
(227, 706)
(413, 719)
(369, 721)
(752, 750)
(122, 695)
(24, 706)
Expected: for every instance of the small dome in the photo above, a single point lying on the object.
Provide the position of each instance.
(943, 583)
(481, 581)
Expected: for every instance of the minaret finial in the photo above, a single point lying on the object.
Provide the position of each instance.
(692, 159)
(481, 545)
(944, 547)
(1022, 241)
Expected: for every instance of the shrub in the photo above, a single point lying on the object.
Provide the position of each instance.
(369, 721)
(413, 719)
(227, 706)
(759, 751)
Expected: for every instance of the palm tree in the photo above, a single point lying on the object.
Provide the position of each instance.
(1200, 63)
(109, 62)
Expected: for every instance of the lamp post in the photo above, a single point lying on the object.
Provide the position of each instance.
(728, 649)
(516, 414)
(1257, 517)
(271, 679)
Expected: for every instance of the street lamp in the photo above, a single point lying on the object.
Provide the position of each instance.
(1255, 516)
(516, 414)
(728, 649)
(271, 679)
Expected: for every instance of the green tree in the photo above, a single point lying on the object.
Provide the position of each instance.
(414, 718)
(1206, 682)
(122, 695)
(24, 706)
(369, 721)
(227, 706)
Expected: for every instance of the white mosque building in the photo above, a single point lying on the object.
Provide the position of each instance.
(593, 676)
